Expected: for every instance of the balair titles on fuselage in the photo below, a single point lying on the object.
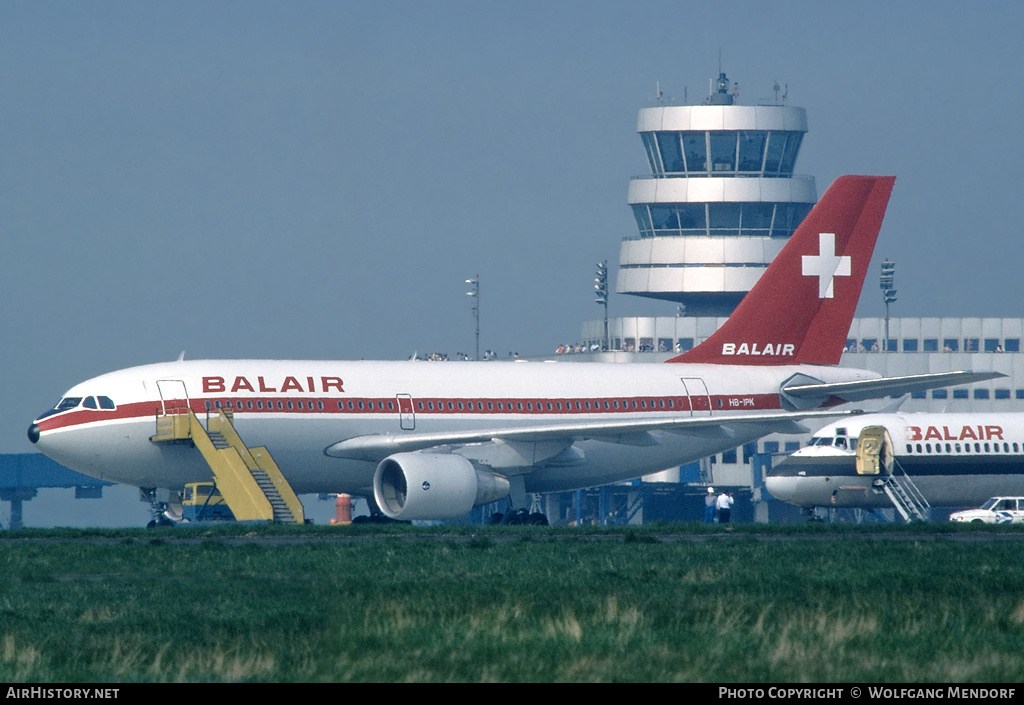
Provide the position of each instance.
(969, 433)
(217, 385)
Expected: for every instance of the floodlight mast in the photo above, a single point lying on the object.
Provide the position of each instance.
(601, 288)
(888, 279)
(475, 293)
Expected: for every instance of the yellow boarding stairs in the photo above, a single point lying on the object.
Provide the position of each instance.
(248, 478)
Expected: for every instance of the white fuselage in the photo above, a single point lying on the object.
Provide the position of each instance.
(954, 459)
(298, 409)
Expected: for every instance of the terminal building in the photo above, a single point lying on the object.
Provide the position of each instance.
(720, 201)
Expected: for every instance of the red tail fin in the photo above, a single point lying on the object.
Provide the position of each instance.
(801, 308)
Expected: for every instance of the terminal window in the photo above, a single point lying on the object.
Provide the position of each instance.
(931, 344)
(959, 393)
(940, 394)
(1012, 345)
(748, 452)
(950, 345)
(1002, 393)
(971, 345)
(981, 394)
(910, 345)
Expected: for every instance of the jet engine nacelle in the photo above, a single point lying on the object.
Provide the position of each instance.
(433, 486)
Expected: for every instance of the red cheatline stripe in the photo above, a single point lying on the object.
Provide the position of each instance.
(426, 406)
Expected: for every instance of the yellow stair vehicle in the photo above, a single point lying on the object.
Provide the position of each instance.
(247, 478)
(202, 501)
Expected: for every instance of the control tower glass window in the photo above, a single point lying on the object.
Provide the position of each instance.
(652, 151)
(696, 149)
(671, 153)
(789, 156)
(665, 219)
(643, 221)
(773, 156)
(723, 151)
(724, 218)
(751, 146)
(692, 218)
(788, 216)
(770, 153)
(757, 219)
(721, 219)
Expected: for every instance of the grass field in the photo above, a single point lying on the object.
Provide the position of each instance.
(515, 604)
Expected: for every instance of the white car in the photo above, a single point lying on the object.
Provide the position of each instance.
(995, 510)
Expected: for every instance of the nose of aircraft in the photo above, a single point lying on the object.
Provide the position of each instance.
(33, 433)
(781, 488)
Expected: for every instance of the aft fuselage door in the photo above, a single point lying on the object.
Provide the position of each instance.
(173, 396)
(407, 417)
(874, 451)
(700, 400)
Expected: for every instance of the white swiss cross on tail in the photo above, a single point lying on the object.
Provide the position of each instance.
(826, 265)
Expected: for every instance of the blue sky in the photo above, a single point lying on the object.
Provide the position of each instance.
(318, 179)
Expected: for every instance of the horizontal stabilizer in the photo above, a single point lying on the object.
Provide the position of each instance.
(804, 395)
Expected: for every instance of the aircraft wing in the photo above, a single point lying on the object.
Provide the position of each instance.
(375, 448)
(804, 395)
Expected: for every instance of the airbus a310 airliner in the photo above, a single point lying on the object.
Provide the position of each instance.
(431, 441)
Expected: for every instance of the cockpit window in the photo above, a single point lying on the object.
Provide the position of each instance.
(68, 403)
(99, 403)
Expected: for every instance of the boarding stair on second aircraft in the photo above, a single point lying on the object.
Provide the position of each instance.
(905, 496)
(875, 457)
(248, 478)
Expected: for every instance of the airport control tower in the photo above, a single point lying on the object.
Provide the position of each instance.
(720, 202)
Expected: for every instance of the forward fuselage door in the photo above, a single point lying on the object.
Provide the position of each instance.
(173, 396)
(874, 451)
(700, 400)
(406, 415)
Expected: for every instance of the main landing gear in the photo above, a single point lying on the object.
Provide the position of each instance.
(159, 507)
